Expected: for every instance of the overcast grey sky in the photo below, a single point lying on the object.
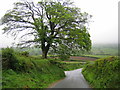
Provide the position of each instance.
(104, 29)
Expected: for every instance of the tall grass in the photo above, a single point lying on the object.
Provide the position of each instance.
(23, 71)
(103, 73)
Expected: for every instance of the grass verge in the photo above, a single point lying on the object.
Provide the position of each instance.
(21, 71)
(103, 73)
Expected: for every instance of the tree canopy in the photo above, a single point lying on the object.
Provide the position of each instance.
(52, 24)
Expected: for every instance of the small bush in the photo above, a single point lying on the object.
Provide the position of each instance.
(9, 60)
(25, 53)
(64, 57)
(63, 52)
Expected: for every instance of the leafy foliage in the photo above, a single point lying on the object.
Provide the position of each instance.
(103, 73)
(25, 53)
(50, 23)
(9, 59)
(32, 72)
(63, 52)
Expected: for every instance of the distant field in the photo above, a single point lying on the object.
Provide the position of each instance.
(98, 56)
(82, 58)
(105, 49)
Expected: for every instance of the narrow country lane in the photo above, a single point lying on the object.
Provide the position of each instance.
(74, 79)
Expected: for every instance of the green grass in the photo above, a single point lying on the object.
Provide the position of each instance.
(103, 73)
(11, 79)
(35, 74)
(20, 71)
(67, 66)
(32, 71)
(97, 56)
(29, 72)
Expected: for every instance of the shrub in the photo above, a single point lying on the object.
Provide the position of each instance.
(25, 53)
(8, 58)
(63, 52)
(64, 57)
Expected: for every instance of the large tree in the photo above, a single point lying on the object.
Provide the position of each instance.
(53, 25)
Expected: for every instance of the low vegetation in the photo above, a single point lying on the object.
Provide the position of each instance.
(22, 71)
(67, 66)
(103, 73)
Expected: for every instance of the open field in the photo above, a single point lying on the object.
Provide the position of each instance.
(105, 49)
(97, 56)
(83, 58)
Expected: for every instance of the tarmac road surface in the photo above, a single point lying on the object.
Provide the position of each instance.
(74, 79)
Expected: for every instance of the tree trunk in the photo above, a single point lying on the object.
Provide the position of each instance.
(44, 54)
(45, 51)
